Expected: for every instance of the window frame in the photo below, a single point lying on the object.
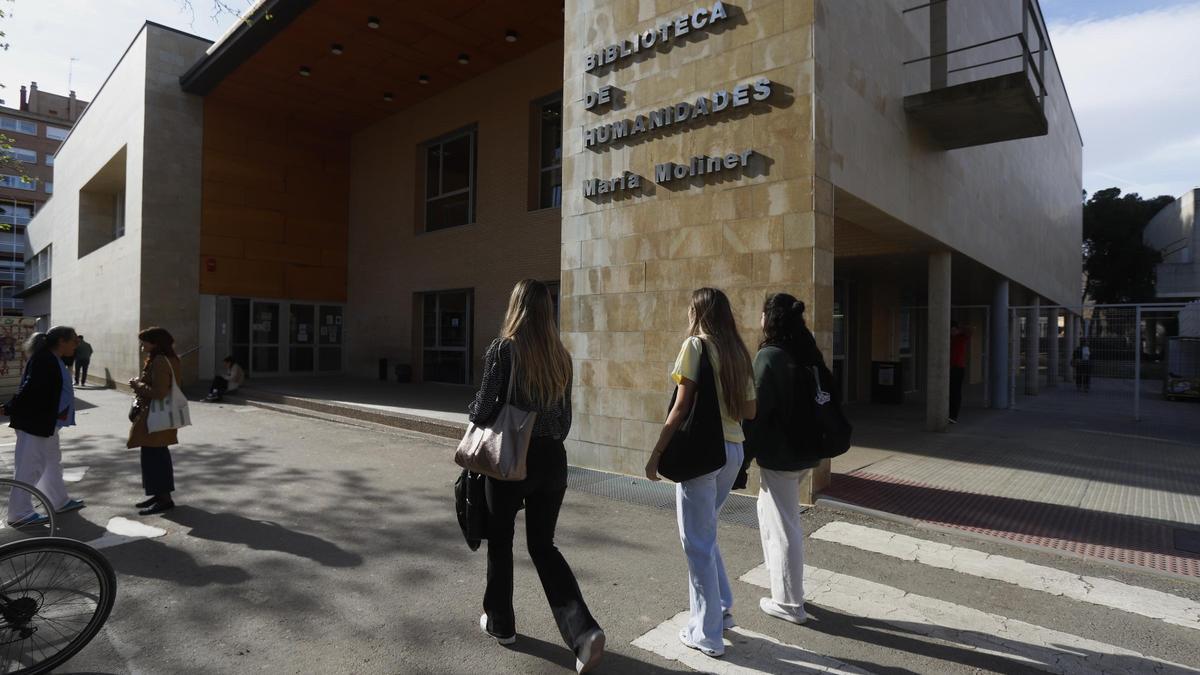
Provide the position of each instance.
(16, 183)
(12, 152)
(536, 145)
(470, 131)
(65, 133)
(17, 122)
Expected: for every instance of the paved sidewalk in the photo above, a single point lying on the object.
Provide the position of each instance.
(1063, 470)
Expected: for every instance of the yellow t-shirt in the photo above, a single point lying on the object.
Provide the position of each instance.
(687, 364)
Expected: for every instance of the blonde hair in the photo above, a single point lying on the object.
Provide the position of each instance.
(543, 361)
(712, 317)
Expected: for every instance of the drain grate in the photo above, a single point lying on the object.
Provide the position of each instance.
(739, 509)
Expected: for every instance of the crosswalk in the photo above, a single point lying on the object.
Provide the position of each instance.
(1023, 644)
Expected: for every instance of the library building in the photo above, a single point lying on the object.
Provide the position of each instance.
(344, 187)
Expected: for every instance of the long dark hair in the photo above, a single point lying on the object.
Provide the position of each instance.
(58, 335)
(529, 324)
(784, 327)
(712, 317)
(163, 343)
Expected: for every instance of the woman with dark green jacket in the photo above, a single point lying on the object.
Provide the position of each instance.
(786, 356)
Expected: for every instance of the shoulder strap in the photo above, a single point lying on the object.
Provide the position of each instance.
(512, 371)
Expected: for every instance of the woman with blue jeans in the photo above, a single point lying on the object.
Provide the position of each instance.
(699, 500)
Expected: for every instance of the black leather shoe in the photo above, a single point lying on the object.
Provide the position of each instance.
(158, 507)
(144, 504)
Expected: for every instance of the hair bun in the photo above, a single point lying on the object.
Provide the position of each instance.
(798, 307)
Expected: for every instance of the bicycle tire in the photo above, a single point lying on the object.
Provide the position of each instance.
(45, 549)
(50, 529)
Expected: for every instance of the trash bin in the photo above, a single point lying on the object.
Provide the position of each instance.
(886, 382)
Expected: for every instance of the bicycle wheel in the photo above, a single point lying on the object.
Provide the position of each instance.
(25, 512)
(61, 594)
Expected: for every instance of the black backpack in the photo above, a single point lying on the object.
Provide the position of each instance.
(822, 431)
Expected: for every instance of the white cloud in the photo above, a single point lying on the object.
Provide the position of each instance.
(1135, 87)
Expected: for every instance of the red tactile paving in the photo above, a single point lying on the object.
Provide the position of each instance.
(1095, 534)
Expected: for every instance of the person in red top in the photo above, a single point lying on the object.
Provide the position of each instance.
(959, 339)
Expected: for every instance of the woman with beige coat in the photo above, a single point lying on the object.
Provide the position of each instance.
(158, 372)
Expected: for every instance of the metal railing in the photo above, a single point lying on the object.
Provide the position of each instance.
(1032, 57)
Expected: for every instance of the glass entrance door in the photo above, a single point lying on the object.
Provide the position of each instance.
(330, 339)
(446, 337)
(302, 337)
(264, 335)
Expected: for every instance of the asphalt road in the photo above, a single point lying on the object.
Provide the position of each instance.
(307, 546)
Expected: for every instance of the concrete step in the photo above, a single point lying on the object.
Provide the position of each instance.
(299, 405)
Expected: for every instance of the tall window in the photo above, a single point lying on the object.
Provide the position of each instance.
(19, 126)
(450, 180)
(15, 213)
(49, 159)
(40, 266)
(56, 133)
(549, 151)
(119, 215)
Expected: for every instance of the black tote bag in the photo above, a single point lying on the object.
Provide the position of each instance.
(698, 446)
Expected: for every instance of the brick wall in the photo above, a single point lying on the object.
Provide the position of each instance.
(393, 261)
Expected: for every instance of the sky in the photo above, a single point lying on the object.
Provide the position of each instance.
(1129, 65)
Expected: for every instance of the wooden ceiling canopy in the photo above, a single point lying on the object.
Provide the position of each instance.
(414, 41)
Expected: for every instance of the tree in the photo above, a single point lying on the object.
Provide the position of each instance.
(1118, 265)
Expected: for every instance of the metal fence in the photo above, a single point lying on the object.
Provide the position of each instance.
(1120, 356)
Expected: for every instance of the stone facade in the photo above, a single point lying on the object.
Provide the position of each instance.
(631, 260)
(147, 275)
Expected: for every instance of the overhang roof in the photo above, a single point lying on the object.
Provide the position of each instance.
(258, 63)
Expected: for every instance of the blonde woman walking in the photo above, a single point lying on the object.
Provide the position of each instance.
(712, 332)
(543, 384)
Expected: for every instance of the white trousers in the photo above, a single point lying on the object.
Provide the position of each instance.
(38, 462)
(782, 537)
(698, 503)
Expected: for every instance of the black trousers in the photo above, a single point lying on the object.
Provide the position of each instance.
(158, 475)
(81, 368)
(957, 375)
(219, 385)
(1083, 375)
(542, 493)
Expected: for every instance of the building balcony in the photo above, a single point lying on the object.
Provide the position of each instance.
(981, 76)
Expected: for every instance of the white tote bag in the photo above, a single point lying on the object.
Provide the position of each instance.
(170, 412)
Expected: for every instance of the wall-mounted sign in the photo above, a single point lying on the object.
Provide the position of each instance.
(597, 187)
(717, 102)
(701, 165)
(700, 19)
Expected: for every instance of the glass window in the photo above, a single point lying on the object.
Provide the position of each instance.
(549, 160)
(23, 155)
(49, 187)
(49, 159)
(119, 215)
(446, 329)
(19, 126)
(15, 213)
(450, 181)
(329, 339)
(17, 183)
(56, 133)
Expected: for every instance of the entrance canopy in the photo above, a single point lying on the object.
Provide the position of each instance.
(350, 63)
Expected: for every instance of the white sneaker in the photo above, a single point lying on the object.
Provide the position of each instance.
(687, 642)
(772, 608)
(590, 652)
(502, 640)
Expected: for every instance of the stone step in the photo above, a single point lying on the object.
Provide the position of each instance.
(296, 405)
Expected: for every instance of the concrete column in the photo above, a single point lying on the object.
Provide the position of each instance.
(937, 362)
(1014, 358)
(1072, 342)
(998, 349)
(1032, 346)
(1054, 345)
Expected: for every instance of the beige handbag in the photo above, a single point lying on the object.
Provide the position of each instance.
(499, 450)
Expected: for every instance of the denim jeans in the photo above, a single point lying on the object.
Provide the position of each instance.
(542, 494)
(698, 502)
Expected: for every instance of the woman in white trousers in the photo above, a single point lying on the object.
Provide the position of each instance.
(783, 378)
(43, 404)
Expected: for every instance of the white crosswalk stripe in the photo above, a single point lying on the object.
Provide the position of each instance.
(748, 653)
(1042, 648)
(1147, 602)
